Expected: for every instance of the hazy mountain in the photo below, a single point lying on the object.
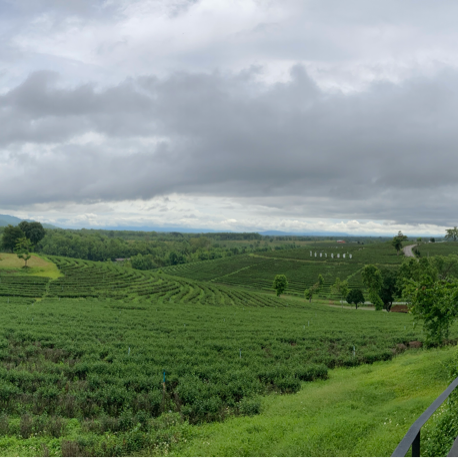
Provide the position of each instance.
(14, 221)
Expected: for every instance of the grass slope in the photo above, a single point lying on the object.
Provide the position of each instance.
(37, 265)
(363, 411)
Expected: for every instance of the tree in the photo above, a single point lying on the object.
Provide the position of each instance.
(397, 241)
(389, 288)
(340, 288)
(451, 234)
(355, 296)
(320, 281)
(435, 303)
(280, 284)
(33, 231)
(309, 292)
(23, 249)
(11, 235)
(142, 262)
(372, 279)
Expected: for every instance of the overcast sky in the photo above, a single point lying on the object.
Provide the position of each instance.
(290, 115)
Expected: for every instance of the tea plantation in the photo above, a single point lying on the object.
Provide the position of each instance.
(301, 266)
(118, 361)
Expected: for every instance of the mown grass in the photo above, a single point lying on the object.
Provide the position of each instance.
(36, 266)
(363, 411)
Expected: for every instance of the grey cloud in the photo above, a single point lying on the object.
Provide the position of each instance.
(386, 153)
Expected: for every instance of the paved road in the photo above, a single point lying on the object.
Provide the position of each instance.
(408, 251)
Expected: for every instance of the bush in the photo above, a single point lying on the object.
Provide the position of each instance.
(288, 384)
(311, 372)
(249, 406)
(26, 425)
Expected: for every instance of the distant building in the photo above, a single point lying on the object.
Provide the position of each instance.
(341, 241)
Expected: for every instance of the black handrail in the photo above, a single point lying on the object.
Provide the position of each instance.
(412, 438)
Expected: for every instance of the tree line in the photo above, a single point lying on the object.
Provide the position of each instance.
(143, 250)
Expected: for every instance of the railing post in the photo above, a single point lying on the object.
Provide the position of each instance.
(416, 445)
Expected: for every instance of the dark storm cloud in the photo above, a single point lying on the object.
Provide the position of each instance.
(386, 153)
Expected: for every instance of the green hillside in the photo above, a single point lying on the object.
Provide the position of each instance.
(103, 359)
(300, 266)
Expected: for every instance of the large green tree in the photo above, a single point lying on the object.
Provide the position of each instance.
(372, 279)
(435, 303)
(389, 289)
(452, 234)
(397, 241)
(33, 231)
(10, 237)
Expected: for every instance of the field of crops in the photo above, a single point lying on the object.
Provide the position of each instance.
(102, 360)
(301, 267)
(438, 249)
(94, 345)
(379, 253)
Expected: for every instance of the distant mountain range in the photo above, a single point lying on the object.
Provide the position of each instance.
(321, 234)
(14, 221)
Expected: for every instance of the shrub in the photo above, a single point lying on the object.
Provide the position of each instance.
(249, 406)
(26, 426)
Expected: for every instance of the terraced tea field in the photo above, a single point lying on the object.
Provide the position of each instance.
(438, 249)
(89, 351)
(257, 272)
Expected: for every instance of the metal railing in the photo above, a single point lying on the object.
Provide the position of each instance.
(412, 438)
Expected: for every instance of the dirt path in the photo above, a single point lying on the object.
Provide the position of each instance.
(408, 251)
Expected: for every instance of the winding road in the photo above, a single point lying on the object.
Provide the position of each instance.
(408, 251)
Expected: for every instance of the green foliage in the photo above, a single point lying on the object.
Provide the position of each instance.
(372, 278)
(434, 302)
(10, 237)
(389, 289)
(340, 288)
(23, 249)
(309, 292)
(440, 432)
(320, 281)
(33, 231)
(142, 262)
(327, 419)
(397, 241)
(280, 284)
(102, 335)
(355, 296)
(376, 300)
(451, 234)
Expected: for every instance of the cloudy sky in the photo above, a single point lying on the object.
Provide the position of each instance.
(291, 115)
